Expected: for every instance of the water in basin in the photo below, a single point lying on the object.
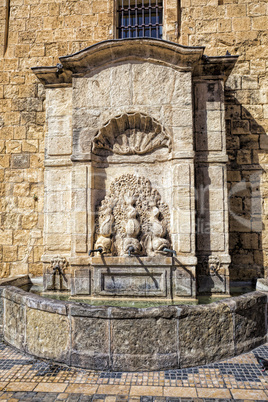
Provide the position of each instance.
(37, 287)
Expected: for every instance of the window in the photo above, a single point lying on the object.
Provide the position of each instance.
(139, 19)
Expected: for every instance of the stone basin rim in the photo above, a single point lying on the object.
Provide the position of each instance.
(131, 338)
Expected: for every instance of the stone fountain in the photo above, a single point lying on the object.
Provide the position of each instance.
(135, 167)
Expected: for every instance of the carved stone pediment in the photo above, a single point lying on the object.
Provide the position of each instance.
(131, 134)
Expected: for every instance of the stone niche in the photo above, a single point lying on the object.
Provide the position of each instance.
(135, 164)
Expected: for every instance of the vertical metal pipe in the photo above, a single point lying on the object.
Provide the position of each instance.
(143, 21)
(136, 17)
(122, 19)
(156, 18)
(150, 19)
(129, 19)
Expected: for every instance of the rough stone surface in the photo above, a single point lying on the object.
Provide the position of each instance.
(262, 285)
(132, 281)
(250, 327)
(47, 335)
(81, 282)
(20, 161)
(133, 339)
(14, 323)
(205, 333)
(144, 344)
(90, 342)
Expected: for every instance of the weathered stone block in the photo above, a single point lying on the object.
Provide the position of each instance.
(1, 310)
(6, 237)
(131, 281)
(14, 322)
(58, 242)
(60, 146)
(56, 282)
(10, 253)
(146, 344)
(59, 101)
(20, 161)
(58, 179)
(90, 342)
(121, 85)
(146, 94)
(213, 283)
(250, 325)
(81, 283)
(98, 85)
(205, 333)
(48, 335)
(184, 282)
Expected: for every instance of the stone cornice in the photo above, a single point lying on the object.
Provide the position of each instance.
(218, 67)
(146, 49)
(112, 52)
(53, 76)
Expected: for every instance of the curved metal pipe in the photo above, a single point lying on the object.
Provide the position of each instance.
(99, 250)
(167, 250)
(57, 268)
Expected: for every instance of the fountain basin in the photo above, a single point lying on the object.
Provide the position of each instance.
(132, 339)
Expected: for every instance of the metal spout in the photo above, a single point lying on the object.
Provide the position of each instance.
(99, 250)
(167, 250)
(130, 251)
(57, 268)
(213, 269)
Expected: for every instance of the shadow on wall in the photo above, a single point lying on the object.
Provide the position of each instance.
(245, 140)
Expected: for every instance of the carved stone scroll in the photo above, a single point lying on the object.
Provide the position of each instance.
(131, 134)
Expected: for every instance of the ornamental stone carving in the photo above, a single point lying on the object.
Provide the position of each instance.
(132, 214)
(132, 227)
(211, 264)
(104, 240)
(131, 134)
(58, 264)
(158, 231)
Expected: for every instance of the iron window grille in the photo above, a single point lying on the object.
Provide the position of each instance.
(139, 19)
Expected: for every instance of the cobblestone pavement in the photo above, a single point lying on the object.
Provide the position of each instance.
(24, 378)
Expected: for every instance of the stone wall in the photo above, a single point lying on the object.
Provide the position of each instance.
(132, 339)
(39, 31)
(240, 27)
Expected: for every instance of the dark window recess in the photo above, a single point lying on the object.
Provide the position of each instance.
(139, 19)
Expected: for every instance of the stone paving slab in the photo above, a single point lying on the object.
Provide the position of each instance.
(25, 378)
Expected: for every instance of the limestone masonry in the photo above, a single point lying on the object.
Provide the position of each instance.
(36, 33)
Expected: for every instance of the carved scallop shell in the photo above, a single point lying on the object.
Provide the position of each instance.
(131, 134)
